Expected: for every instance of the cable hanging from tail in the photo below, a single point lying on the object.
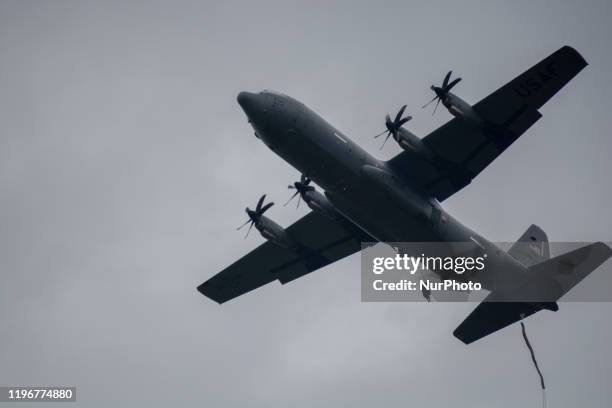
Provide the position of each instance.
(535, 363)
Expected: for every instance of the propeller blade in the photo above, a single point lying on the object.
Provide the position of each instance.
(307, 182)
(265, 208)
(429, 103)
(437, 103)
(291, 187)
(380, 134)
(446, 78)
(453, 83)
(401, 122)
(387, 138)
(240, 227)
(303, 178)
(298, 204)
(249, 230)
(259, 203)
(292, 197)
(399, 114)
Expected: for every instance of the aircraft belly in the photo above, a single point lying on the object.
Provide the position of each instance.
(330, 166)
(388, 211)
(382, 218)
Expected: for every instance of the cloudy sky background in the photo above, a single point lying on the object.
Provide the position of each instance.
(126, 164)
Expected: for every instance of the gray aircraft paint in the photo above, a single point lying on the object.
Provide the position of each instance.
(126, 166)
(360, 187)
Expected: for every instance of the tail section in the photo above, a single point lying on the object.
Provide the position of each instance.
(548, 281)
(555, 277)
(532, 247)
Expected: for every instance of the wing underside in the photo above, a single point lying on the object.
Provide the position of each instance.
(462, 149)
(322, 241)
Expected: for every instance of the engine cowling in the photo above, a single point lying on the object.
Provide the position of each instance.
(274, 233)
(462, 110)
(319, 203)
(412, 143)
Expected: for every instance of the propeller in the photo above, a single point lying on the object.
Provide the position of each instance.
(442, 91)
(254, 216)
(393, 126)
(300, 187)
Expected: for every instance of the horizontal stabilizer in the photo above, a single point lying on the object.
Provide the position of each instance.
(548, 281)
(489, 317)
(558, 275)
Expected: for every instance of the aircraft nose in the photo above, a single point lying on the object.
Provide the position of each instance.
(244, 98)
(248, 101)
(256, 106)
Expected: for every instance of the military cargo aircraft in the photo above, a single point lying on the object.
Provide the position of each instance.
(369, 200)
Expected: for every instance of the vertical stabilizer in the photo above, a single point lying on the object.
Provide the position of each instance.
(532, 247)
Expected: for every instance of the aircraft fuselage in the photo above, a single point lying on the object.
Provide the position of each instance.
(359, 186)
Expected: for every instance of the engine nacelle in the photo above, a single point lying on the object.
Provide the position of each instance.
(275, 233)
(319, 203)
(412, 143)
(462, 110)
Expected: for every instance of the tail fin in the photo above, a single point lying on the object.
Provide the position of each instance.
(532, 247)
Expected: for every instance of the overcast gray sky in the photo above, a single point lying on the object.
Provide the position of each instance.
(126, 164)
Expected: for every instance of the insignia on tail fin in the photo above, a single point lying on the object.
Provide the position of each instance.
(532, 247)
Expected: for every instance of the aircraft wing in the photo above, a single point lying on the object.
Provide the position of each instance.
(321, 239)
(462, 150)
